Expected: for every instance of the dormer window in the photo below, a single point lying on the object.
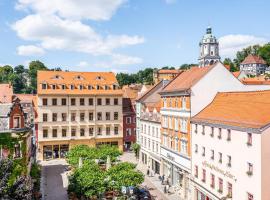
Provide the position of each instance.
(115, 87)
(44, 86)
(72, 87)
(99, 78)
(107, 87)
(80, 87)
(90, 87)
(99, 87)
(57, 77)
(53, 86)
(63, 87)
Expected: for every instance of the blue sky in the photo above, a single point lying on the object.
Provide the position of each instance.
(125, 35)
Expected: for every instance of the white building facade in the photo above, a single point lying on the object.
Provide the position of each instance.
(230, 156)
(150, 140)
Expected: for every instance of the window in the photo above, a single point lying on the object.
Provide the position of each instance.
(115, 101)
(228, 135)
(73, 101)
(98, 87)
(212, 181)
(54, 102)
(99, 101)
(45, 117)
(44, 86)
(63, 87)
(99, 131)
(183, 126)
(72, 87)
(82, 116)
(184, 102)
(219, 133)
(212, 132)
(80, 87)
(203, 175)
(82, 131)
(176, 144)
(249, 196)
(196, 171)
(115, 116)
(203, 129)
(164, 102)
(53, 86)
(212, 154)
(220, 185)
(99, 116)
(203, 151)
(64, 102)
(73, 117)
(128, 131)
(73, 132)
(64, 132)
(128, 120)
(229, 186)
(91, 131)
(249, 139)
(107, 87)
(64, 117)
(108, 130)
(81, 101)
(229, 164)
(45, 133)
(54, 117)
(176, 102)
(170, 102)
(90, 101)
(184, 146)
(176, 124)
(196, 128)
(44, 102)
(91, 116)
(196, 148)
(250, 169)
(54, 131)
(220, 157)
(108, 116)
(116, 130)
(108, 101)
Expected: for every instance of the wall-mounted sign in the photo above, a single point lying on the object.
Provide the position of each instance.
(219, 170)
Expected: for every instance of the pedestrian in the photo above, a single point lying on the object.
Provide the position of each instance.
(162, 179)
(147, 172)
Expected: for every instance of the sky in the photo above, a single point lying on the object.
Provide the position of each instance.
(125, 35)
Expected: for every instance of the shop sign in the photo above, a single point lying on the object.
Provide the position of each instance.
(219, 170)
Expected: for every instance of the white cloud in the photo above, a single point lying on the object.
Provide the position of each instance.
(29, 50)
(73, 9)
(83, 64)
(230, 44)
(52, 32)
(119, 59)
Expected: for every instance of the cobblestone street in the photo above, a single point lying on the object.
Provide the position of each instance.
(152, 183)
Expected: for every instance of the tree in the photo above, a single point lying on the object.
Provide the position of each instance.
(186, 66)
(264, 52)
(19, 81)
(168, 67)
(136, 148)
(228, 61)
(34, 66)
(5, 74)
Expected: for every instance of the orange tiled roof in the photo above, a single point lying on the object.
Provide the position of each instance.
(85, 79)
(241, 109)
(168, 71)
(228, 67)
(258, 80)
(6, 92)
(27, 98)
(187, 79)
(129, 92)
(236, 74)
(253, 59)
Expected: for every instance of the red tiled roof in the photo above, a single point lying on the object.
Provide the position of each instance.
(253, 59)
(187, 79)
(259, 80)
(26, 98)
(236, 74)
(168, 71)
(241, 109)
(6, 92)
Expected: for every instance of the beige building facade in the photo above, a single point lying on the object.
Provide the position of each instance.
(77, 108)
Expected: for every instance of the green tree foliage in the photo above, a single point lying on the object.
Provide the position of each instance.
(87, 181)
(168, 67)
(143, 76)
(90, 153)
(6, 73)
(264, 52)
(34, 66)
(136, 148)
(228, 61)
(187, 66)
(20, 188)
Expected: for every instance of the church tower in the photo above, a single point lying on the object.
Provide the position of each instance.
(209, 51)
